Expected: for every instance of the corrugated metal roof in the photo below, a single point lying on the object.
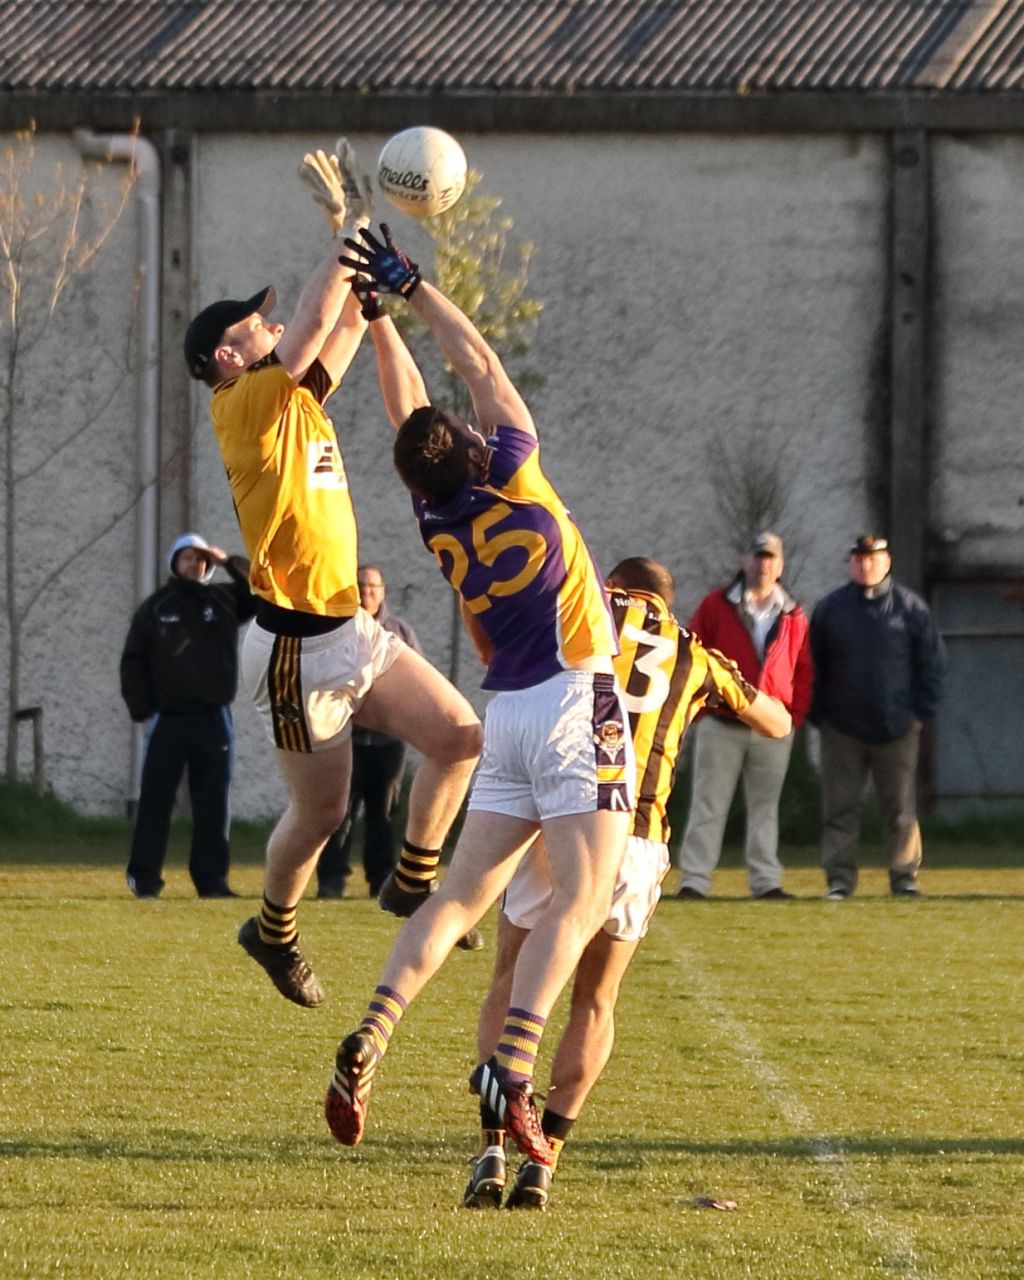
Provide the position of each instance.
(525, 46)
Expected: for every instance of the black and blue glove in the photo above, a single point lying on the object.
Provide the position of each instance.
(369, 299)
(385, 264)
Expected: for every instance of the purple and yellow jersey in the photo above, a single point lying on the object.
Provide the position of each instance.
(667, 676)
(508, 545)
(289, 488)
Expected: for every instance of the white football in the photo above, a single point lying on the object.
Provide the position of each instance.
(422, 171)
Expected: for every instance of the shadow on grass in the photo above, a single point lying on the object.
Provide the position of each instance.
(197, 1148)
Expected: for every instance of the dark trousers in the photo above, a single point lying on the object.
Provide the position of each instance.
(846, 765)
(203, 744)
(377, 773)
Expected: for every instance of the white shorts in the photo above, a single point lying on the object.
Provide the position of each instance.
(637, 889)
(557, 748)
(307, 689)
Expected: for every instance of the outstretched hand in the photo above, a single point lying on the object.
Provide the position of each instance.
(323, 175)
(385, 264)
(357, 186)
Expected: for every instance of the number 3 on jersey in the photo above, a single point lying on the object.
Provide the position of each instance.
(486, 550)
(654, 658)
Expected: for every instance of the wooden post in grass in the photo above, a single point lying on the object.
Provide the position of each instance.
(35, 715)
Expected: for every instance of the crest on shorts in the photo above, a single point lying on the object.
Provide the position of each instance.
(287, 712)
(610, 741)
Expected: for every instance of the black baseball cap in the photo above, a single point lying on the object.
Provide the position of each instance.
(207, 329)
(867, 544)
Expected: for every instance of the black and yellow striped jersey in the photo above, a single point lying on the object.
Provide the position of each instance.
(667, 677)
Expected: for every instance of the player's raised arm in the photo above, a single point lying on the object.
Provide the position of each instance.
(401, 383)
(318, 330)
(495, 398)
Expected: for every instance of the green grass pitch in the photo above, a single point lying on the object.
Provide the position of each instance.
(848, 1073)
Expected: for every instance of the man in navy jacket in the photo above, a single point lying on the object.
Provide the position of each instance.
(879, 671)
(179, 672)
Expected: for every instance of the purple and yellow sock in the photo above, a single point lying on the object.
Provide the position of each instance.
(517, 1049)
(417, 868)
(383, 1015)
(277, 924)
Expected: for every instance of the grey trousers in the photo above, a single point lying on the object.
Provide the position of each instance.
(846, 765)
(722, 754)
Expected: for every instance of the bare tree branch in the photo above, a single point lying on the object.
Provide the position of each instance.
(43, 249)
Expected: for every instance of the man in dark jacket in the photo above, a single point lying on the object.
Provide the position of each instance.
(879, 671)
(179, 670)
(757, 623)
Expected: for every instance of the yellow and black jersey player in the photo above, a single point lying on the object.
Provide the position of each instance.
(313, 660)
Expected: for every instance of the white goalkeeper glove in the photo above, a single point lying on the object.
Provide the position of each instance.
(322, 174)
(357, 186)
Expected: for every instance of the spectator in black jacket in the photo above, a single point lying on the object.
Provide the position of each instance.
(179, 670)
(879, 670)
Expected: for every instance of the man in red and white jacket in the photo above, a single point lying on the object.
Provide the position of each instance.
(756, 622)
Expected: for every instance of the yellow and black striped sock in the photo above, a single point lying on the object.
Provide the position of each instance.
(383, 1015)
(417, 868)
(491, 1138)
(492, 1134)
(556, 1129)
(277, 924)
(516, 1053)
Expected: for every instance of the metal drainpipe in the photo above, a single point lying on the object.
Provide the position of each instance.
(143, 156)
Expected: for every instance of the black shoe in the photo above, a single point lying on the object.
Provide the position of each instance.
(286, 966)
(486, 1180)
(140, 890)
(691, 895)
(400, 902)
(773, 893)
(532, 1187)
(217, 891)
(331, 891)
(472, 940)
(908, 889)
(836, 893)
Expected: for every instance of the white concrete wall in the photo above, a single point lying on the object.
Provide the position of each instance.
(76, 450)
(705, 298)
(978, 491)
(699, 293)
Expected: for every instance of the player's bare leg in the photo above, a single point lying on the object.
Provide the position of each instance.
(581, 1056)
(484, 861)
(489, 1170)
(589, 1036)
(584, 852)
(318, 784)
(413, 701)
(499, 994)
